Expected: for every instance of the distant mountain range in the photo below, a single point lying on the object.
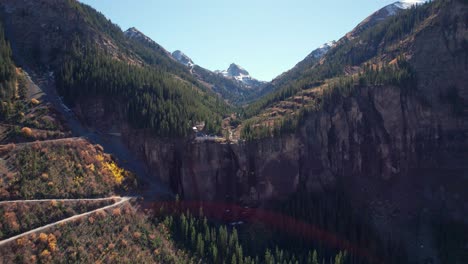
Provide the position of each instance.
(234, 84)
(234, 72)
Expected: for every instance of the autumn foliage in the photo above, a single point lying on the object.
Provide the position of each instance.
(64, 169)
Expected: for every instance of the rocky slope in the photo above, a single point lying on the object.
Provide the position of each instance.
(182, 58)
(134, 34)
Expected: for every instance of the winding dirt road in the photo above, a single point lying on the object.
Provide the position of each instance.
(69, 219)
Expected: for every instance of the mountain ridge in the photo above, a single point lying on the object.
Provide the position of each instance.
(234, 85)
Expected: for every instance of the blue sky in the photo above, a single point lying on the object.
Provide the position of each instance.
(266, 37)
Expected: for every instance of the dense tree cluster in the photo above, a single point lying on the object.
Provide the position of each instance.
(151, 98)
(96, 20)
(214, 243)
(159, 94)
(287, 125)
(7, 76)
(399, 74)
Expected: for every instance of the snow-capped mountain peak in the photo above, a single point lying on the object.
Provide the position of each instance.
(238, 73)
(236, 70)
(322, 50)
(405, 4)
(392, 9)
(182, 58)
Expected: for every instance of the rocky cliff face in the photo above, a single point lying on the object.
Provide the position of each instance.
(403, 146)
(397, 156)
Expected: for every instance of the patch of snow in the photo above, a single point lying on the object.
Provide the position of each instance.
(322, 50)
(405, 4)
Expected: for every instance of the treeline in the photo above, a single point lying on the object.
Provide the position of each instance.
(352, 52)
(253, 131)
(97, 20)
(151, 98)
(305, 228)
(150, 53)
(159, 95)
(398, 73)
(214, 243)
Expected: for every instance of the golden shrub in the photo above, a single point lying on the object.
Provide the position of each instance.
(27, 131)
(44, 176)
(43, 237)
(51, 238)
(45, 253)
(118, 173)
(99, 157)
(91, 167)
(52, 247)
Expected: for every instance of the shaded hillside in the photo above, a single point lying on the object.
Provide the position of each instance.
(77, 228)
(84, 49)
(364, 42)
